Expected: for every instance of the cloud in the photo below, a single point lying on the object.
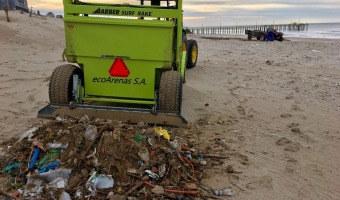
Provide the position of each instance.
(247, 12)
(46, 4)
(193, 18)
(214, 12)
(219, 8)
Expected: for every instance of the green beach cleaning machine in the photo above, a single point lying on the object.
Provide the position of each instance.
(125, 62)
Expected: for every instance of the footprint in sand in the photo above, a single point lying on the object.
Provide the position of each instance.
(288, 144)
(293, 147)
(241, 138)
(233, 178)
(296, 108)
(283, 141)
(315, 169)
(307, 191)
(231, 90)
(294, 128)
(31, 98)
(293, 125)
(285, 115)
(289, 97)
(261, 182)
(241, 110)
(291, 165)
(297, 89)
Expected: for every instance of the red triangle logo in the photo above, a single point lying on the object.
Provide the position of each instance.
(119, 69)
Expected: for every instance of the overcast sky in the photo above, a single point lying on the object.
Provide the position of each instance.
(241, 12)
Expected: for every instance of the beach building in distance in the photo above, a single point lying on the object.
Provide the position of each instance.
(15, 4)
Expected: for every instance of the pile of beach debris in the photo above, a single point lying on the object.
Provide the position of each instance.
(102, 159)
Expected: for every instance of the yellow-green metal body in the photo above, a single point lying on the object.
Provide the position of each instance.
(147, 38)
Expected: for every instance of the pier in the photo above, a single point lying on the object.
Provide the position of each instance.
(241, 29)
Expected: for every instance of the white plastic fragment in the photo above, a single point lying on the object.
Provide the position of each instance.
(84, 119)
(58, 183)
(162, 170)
(174, 144)
(144, 154)
(2, 153)
(78, 193)
(59, 119)
(103, 181)
(152, 175)
(91, 132)
(28, 134)
(50, 175)
(225, 192)
(56, 146)
(65, 196)
(34, 189)
(317, 51)
(100, 181)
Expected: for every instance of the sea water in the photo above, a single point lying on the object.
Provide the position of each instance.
(317, 30)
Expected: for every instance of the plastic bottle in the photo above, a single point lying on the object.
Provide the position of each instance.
(91, 132)
(224, 192)
(141, 138)
(138, 138)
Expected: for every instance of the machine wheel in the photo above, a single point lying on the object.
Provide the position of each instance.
(60, 86)
(249, 37)
(258, 38)
(170, 92)
(192, 53)
(280, 39)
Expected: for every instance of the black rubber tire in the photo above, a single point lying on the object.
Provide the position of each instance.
(170, 92)
(191, 45)
(258, 38)
(280, 39)
(60, 86)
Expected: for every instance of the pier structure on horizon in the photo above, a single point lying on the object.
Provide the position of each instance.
(241, 29)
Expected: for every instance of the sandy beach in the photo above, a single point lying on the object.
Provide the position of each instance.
(273, 108)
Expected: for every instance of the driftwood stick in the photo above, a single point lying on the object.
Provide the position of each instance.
(135, 187)
(6, 9)
(216, 156)
(238, 186)
(212, 196)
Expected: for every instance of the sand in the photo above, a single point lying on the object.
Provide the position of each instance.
(274, 108)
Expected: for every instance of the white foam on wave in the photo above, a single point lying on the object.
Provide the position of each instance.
(324, 31)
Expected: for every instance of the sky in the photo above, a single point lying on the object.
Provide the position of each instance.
(237, 12)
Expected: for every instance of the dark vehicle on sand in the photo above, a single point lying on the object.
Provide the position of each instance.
(277, 35)
(261, 35)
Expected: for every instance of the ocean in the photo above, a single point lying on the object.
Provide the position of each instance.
(317, 30)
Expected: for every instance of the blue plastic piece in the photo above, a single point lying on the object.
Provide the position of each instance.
(34, 157)
(49, 167)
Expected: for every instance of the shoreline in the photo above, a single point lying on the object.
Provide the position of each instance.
(236, 36)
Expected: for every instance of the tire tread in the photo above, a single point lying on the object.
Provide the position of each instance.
(191, 44)
(59, 85)
(170, 92)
